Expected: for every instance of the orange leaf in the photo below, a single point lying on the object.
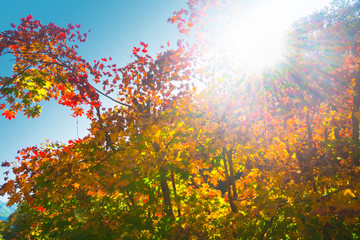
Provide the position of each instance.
(8, 114)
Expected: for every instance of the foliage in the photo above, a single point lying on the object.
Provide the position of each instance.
(16, 223)
(271, 156)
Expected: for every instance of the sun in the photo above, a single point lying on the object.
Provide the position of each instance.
(253, 48)
(252, 40)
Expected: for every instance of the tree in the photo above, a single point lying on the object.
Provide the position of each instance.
(15, 224)
(283, 145)
(46, 66)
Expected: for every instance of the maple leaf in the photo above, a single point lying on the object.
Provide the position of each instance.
(29, 17)
(349, 192)
(145, 45)
(8, 114)
(40, 209)
(136, 50)
(7, 187)
(5, 164)
(169, 149)
(77, 111)
(13, 47)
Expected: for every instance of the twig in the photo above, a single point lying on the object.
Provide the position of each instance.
(124, 104)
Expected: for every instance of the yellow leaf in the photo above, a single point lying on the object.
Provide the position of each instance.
(197, 180)
(349, 192)
(214, 181)
(194, 170)
(157, 135)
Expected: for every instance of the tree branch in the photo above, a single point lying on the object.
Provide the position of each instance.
(11, 79)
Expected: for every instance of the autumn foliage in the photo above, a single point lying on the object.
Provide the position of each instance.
(268, 156)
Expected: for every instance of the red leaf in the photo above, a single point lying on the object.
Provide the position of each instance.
(13, 47)
(29, 17)
(8, 114)
(145, 45)
(136, 50)
(78, 111)
(40, 209)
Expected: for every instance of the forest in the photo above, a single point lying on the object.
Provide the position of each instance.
(194, 147)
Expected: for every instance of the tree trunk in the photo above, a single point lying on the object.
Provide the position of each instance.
(166, 193)
(231, 201)
(232, 175)
(309, 130)
(356, 105)
(174, 187)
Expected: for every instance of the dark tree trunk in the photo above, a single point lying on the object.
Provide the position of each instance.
(232, 175)
(175, 193)
(230, 196)
(356, 105)
(166, 193)
(309, 130)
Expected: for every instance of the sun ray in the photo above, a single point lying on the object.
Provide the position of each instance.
(251, 35)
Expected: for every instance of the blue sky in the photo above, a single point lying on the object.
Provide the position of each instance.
(116, 27)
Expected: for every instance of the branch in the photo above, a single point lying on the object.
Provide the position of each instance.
(123, 104)
(11, 79)
(61, 79)
(74, 70)
(267, 226)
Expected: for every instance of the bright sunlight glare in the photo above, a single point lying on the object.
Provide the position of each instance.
(252, 36)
